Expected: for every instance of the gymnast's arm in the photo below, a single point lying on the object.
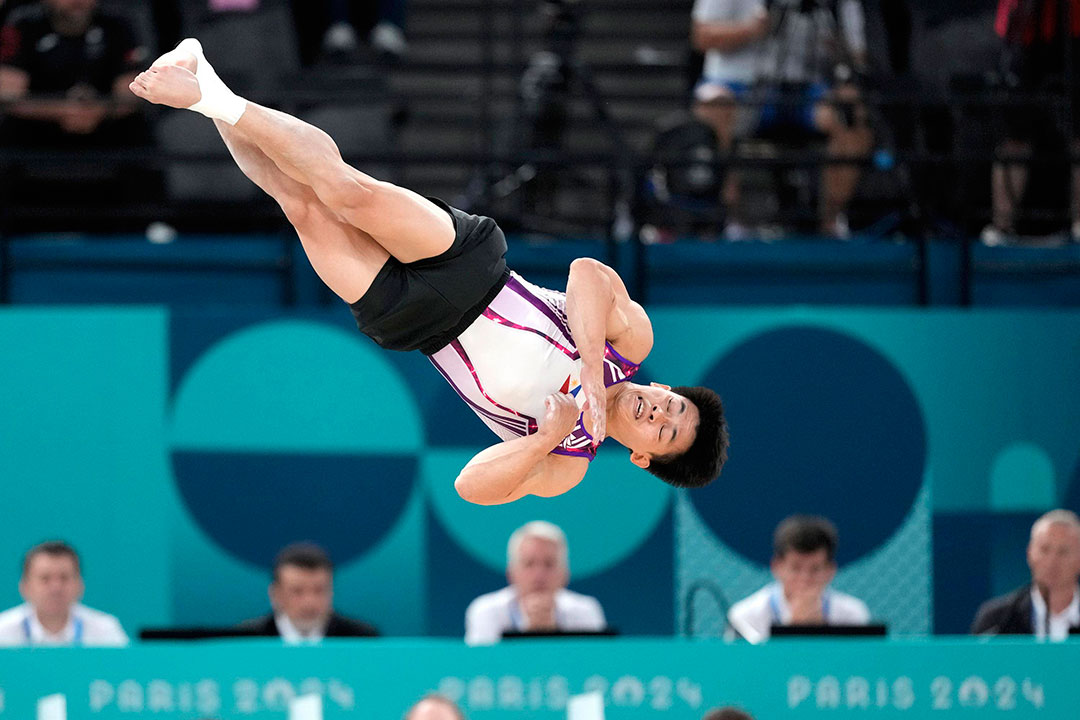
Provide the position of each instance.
(599, 310)
(524, 466)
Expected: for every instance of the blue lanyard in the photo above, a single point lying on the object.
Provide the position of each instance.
(774, 606)
(515, 615)
(76, 640)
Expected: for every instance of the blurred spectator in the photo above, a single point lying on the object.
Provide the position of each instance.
(1039, 56)
(7, 6)
(332, 29)
(79, 58)
(302, 597)
(1048, 607)
(435, 707)
(728, 713)
(804, 552)
(538, 569)
(387, 34)
(52, 587)
(793, 62)
(65, 67)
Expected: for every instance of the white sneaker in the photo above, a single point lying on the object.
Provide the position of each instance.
(993, 236)
(386, 37)
(737, 232)
(839, 229)
(340, 37)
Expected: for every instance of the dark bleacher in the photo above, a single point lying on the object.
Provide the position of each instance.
(449, 121)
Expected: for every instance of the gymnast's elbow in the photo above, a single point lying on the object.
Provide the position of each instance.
(588, 266)
(472, 489)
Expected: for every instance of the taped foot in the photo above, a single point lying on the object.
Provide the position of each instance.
(218, 101)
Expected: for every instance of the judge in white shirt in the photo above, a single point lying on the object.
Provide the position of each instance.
(538, 569)
(804, 564)
(52, 587)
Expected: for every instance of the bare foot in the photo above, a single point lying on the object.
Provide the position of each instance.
(172, 85)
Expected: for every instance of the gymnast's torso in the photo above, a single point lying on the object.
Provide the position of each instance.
(515, 354)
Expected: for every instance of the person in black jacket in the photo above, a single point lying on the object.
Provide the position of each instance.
(1048, 607)
(65, 67)
(302, 596)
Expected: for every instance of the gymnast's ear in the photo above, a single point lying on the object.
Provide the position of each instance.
(640, 459)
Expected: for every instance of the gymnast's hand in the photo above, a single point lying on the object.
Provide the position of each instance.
(592, 384)
(560, 416)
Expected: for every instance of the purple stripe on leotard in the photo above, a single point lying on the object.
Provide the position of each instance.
(496, 317)
(588, 453)
(514, 284)
(628, 367)
(517, 427)
(456, 345)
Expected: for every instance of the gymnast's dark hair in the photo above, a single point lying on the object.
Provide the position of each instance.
(701, 463)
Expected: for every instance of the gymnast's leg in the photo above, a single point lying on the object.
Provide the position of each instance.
(312, 182)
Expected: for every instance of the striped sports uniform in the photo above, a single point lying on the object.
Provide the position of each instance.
(516, 353)
(501, 342)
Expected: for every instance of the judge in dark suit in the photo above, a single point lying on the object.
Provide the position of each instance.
(302, 597)
(1049, 607)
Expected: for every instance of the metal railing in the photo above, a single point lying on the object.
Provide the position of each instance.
(616, 168)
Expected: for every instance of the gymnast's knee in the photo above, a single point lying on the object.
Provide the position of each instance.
(297, 206)
(346, 190)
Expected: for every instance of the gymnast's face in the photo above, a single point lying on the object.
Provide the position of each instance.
(653, 422)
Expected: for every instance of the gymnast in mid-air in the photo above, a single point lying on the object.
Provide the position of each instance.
(549, 373)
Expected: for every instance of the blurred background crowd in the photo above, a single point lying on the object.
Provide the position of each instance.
(733, 119)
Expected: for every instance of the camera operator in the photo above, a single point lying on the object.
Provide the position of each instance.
(794, 64)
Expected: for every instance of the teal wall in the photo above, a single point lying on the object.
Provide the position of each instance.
(179, 450)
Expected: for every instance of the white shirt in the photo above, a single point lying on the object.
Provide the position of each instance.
(292, 636)
(737, 65)
(753, 616)
(20, 626)
(488, 616)
(800, 49)
(1059, 623)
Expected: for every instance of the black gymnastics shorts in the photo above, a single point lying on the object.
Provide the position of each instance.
(423, 305)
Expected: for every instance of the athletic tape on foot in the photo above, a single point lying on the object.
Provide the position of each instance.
(218, 101)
